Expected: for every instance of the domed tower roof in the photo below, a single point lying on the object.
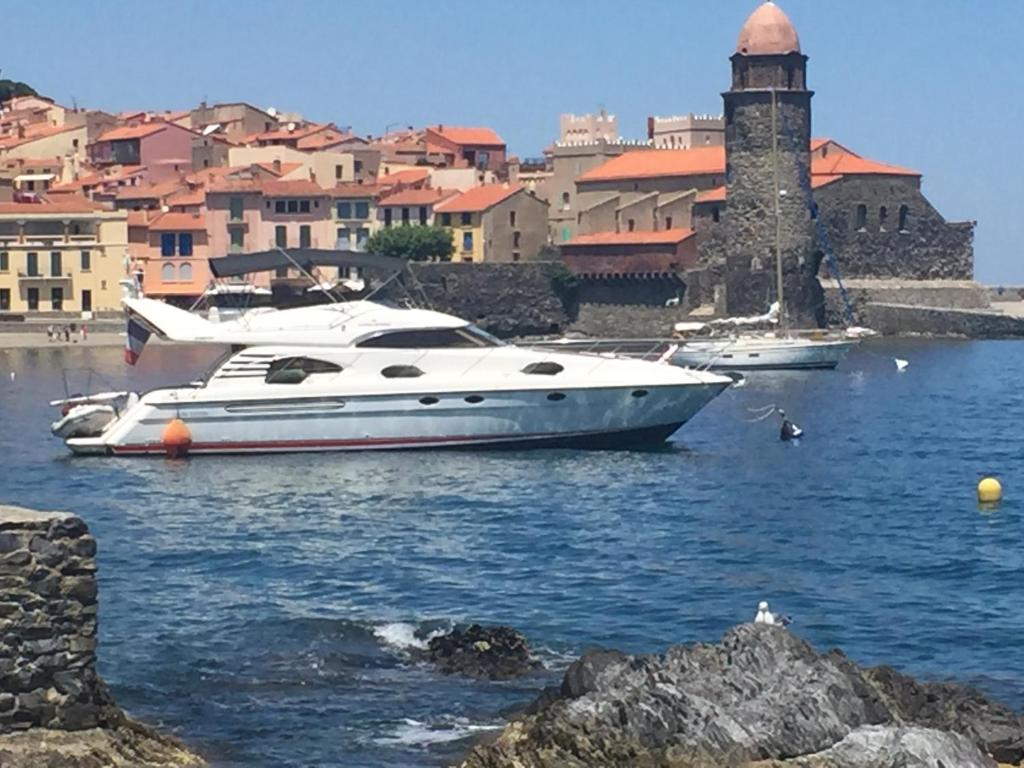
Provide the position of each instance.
(768, 32)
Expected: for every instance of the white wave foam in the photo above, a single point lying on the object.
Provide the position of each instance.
(402, 635)
(419, 734)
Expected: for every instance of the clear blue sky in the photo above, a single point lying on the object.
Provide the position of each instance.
(930, 84)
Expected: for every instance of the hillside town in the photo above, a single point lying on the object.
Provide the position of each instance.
(678, 210)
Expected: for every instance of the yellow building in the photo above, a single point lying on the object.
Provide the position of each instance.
(65, 256)
(494, 222)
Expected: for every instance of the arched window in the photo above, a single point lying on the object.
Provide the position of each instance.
(883, 214)
(904, 214)
(167, 273)
(185, 272)
(862, 217)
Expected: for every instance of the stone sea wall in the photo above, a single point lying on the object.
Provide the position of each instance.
(904, 319)
(55, 710)
(48, 624)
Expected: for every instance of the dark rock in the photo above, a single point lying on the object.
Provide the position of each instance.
(889, 746)
(67, 528)
(83, 547)
(80, 588)
(493, 653)
(947, 707)
(762, 694)
(582, 675)
(19, 558)
(11, 541)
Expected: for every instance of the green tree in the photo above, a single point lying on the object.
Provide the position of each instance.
(415, 243)
(11, 88)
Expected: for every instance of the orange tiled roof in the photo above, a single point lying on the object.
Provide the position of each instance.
(478, 198)
(663, 237)
(854, 165)
(823, 179)
(321, 139)
(653, 163)
(138, 218)
(410, 176)
(66, 204)
(282, 170)
(133, 131)
(177, 222)
(428, 196)
(351, 191)
(716, 195)
(468, 136)
(297, 188)
(150, 191)
(187, 197)
(39, 131)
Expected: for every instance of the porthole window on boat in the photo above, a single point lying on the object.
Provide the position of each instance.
(429, 400)
(474, 399)
(401, 372)
(556, 396)
(293, 370)
(639, 393)
(544, 369)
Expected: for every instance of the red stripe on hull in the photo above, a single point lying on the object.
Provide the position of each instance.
(649, 434)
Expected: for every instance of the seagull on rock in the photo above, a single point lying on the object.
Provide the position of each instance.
(765, 616)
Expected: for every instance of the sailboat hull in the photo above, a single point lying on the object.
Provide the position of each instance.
(762, 354)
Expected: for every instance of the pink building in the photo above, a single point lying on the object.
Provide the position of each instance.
(172, 250)
(245, 215)
(163, 149)
(479, 148)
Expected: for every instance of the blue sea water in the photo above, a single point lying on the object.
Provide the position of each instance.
(262, 607)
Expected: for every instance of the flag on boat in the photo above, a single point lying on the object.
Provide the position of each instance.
(136, 339)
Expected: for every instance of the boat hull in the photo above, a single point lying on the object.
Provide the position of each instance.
(762, 355)
(591, 417)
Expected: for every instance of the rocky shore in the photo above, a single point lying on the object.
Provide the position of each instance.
(482, 652)
(761, 697)
(55, 710)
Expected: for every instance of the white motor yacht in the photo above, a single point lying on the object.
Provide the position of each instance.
(360, 375)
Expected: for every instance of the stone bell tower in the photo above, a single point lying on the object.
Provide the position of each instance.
(769, 95)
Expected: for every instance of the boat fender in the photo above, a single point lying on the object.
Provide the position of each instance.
(176, 438)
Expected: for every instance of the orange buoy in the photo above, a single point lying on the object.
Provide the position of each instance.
(176, 438)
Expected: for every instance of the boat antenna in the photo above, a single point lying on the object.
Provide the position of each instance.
(316, 283)
(775, 201)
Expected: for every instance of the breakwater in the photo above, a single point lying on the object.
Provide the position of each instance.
(54, 707)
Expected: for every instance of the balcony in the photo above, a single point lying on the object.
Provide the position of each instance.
(38, 278)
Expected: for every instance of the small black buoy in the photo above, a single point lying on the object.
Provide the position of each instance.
(789, 430)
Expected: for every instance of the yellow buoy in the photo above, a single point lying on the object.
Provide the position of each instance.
(989, 490)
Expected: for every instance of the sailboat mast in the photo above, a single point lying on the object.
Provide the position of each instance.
(778, 220)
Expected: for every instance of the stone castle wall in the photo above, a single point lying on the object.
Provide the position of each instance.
(518, 299)
(926, 248)
(48, 673)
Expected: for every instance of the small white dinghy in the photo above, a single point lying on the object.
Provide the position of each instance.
(88, 415)
(86, 420)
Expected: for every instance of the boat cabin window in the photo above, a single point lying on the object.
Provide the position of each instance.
(431, 338)
(293, 370)
(401, 372)
(543, 369)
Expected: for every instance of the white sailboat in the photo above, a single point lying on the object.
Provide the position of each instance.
(773, 350)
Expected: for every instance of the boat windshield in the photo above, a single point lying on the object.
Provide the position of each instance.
(432, 338)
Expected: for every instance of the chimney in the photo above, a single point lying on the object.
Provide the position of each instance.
(277, 165)
(312, 175)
